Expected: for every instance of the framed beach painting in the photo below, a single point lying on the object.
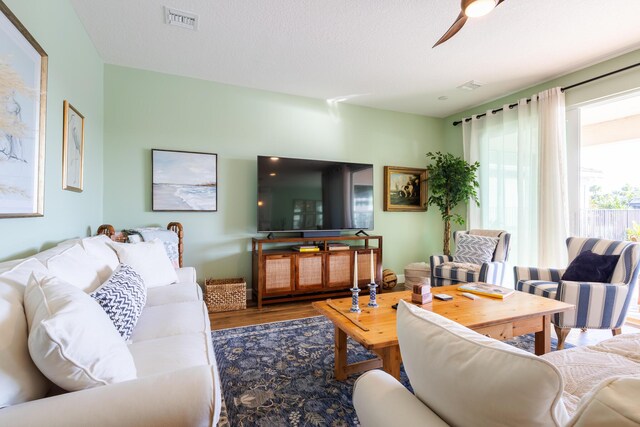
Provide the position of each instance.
(405, 189)
(72, 148)
(23, 103)
(184, 181)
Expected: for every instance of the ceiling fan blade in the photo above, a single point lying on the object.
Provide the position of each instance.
(498, 3)
(457, 25)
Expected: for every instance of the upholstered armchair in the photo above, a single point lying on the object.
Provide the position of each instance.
(599, 305)
(448, 270)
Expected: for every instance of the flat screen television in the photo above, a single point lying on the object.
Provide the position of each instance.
(313, 195)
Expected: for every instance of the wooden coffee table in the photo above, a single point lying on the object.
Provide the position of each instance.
(375, 328)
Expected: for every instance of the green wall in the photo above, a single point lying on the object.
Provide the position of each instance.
(618, 83)
(145, 110)
(76, 73)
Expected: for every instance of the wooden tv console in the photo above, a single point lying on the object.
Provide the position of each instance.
(280, 273)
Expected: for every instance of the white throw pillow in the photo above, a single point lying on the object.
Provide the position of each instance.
(99, 248)
(20, 379)
(74, 265)
(71, 339)
(475, 249)
(472, 380)
(150, 260)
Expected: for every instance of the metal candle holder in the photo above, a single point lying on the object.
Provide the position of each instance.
(372, 295)
(355, 308)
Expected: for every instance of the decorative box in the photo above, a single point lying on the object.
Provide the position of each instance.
(421, 294)
(225, 294)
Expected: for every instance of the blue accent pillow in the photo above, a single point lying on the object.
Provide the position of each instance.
(590, 267)
(122, 297)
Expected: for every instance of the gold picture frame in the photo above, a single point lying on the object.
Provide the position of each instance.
(23, 112)
(72, 149)
(405, 189)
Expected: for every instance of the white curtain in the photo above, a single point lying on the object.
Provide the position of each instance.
(553, 206)
(515, 148)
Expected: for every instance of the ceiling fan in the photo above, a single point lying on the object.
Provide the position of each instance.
(468, 9)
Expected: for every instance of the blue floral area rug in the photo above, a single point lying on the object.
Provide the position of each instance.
(281, 374)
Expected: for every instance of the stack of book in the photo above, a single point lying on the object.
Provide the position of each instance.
(486, 289)
(421, 294)
(337, 246)
(306, 248)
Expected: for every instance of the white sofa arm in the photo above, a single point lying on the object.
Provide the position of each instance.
(381, 401)
(187, 397)
(186, 275)
(612, 403)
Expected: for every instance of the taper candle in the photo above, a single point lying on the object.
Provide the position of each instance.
(355, 269)
(372, 276)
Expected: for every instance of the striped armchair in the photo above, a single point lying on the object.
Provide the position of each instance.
(598, 305)
(490, 272)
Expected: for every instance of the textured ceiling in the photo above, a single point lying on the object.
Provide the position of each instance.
(375, 53)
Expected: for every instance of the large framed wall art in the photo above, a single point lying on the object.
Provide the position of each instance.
(23, 103)
(184, 181)
(405, 189)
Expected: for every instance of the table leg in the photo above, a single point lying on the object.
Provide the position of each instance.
(340, 354)
(391, 360)
(543, 338)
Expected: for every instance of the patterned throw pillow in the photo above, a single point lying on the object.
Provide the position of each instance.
(475, 249)
(123, 297)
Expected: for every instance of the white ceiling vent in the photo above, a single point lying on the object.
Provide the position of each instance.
(180, 18)
(470, 85)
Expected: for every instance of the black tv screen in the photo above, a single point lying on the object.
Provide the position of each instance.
(314, 195)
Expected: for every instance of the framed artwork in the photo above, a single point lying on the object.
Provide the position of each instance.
(405, 189)
(184, 181)
(72, 148)
(23, 104)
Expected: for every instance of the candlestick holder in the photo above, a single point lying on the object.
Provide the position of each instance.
(355, 296)
(372, 295)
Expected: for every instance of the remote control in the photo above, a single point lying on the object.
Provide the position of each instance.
(443, 297)
(470, 296)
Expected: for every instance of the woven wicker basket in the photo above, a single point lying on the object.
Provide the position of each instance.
(225, 294)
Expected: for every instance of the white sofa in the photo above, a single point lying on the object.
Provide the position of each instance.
(177, 379)
(462, 378)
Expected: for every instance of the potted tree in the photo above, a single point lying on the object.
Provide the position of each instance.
(452, 181)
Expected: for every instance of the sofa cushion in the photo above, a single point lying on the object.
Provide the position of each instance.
(100, 249)
(20, 379)
(75, 266)
(71, 339)
(590, 267)
(122, 297)
(150, 260)
(171, 319)
(469, 379)
(175, 293)
(171, 353)
(475, 249)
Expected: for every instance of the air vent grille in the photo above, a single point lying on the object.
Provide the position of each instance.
(470, 85)
(180, 18)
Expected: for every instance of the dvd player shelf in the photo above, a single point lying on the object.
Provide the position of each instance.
(282, 273)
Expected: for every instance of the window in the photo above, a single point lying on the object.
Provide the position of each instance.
(604, 159)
